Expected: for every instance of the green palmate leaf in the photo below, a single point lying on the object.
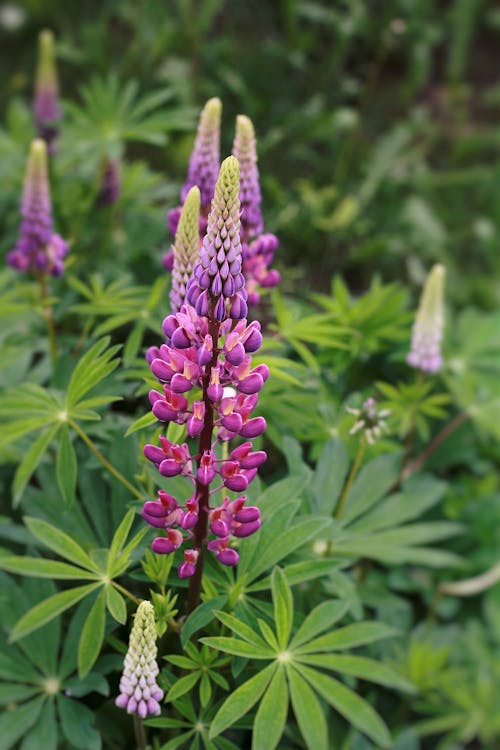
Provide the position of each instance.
(115, 604)
(145, 421)
(31, 460)
(48, 609)
(14, 723)
(238, 648)
(122, 562)
(59, 542)
(92, 635)
(283, 606)
(76, 721)
(271, 715)
(121, 534)
(44, 733)
(11, 693)
(329, 477)
(66, 466)
(94, 366)
(321, 618)
(241, 701)
(306, 570)
(201, 616)
(269, 635)
(15, 430)
(357, 711)
(288, 541)
(308, 712)
(38, 567)
(373, 481)
(183, 685)
(241, 629)
(358, 634)
(359, 666)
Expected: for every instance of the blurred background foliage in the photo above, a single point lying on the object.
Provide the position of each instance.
(379, 135)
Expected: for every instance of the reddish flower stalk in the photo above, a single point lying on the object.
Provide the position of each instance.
(208, 346)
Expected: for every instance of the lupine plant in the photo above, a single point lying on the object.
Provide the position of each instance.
(238, 513)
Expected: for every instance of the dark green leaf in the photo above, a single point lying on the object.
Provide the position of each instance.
(329, 477)
(44, 733)
(357, 634)
(66, 466)
(17, 721)
(59, 542)
(283, 606)
(183, 685)
(30, 461)
(241, 700)
(201, 616)
(48, 609)
(38, 567)
(92, 635)
(308, 712)
(321, 618)
(271, 715)
(357, 711)
(76, 721)
(116, 605)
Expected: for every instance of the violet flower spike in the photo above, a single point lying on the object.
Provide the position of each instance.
(209, 348)
(425, 353)
(111, 186)
(38, 248)
(139, 691)
(185, 248)
(257, 248)
(46, 99)
(245, 150)
(217, 282)
(203, 169)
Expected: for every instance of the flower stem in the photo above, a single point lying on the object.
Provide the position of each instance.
(202, 491)
(350, 479)
(140, 733)
(447, 430)
(49, 317)
(125, 591)
(97, 453)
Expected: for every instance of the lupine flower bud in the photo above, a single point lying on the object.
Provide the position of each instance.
(139, 691)
(245, 150)
(185, 248)
(37, 249)
(46, 103)
(111, 187)
(217, 278)
(427, 333)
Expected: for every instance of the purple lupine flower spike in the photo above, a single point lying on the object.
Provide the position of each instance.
(111, 188)
(38, 248)
(425, 353)
(257, 248)
(245, 150)
(185, 248)
(217, 279)
(46, 100)
(205, 158)
(139, 691)
(203, 169)
(208, 347)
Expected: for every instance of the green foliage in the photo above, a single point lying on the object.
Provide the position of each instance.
(376, 161)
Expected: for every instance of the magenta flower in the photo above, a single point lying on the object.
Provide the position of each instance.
(203, 169)
(139, 691)
(46, 100)
(38, 248)
(208, 352)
